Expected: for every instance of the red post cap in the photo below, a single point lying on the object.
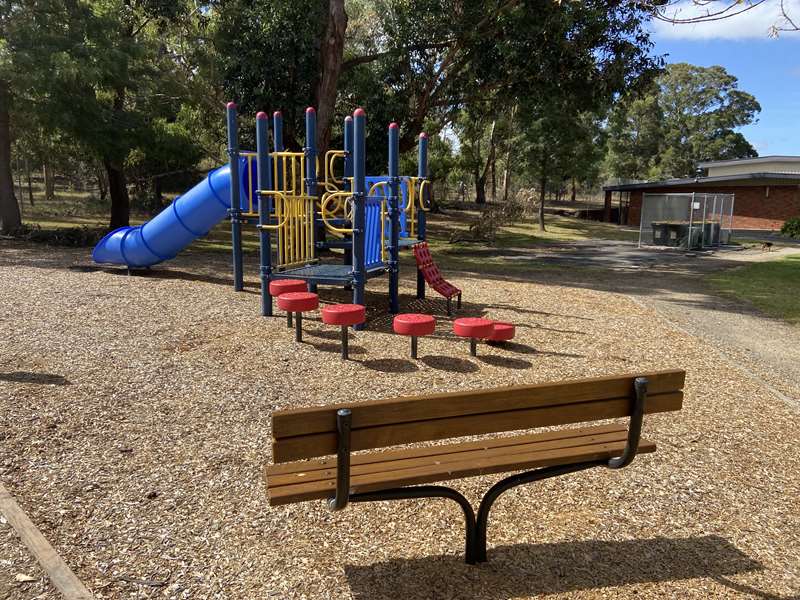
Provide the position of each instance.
(344, 314)
(423, 136)
(310, 109)
(298, 301)
(230, 105)
(414, 324)
(348, 118)
(392, 125)
(261, 115)
(277, 113)
(359, 112)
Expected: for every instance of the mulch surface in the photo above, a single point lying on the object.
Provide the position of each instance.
(135, 424)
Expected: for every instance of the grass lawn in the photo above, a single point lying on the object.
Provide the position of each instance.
(773, 287)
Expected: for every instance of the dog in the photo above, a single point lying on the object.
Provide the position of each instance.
(766, 247)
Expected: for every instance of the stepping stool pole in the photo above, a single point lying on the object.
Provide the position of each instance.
(345, 339)
(298, 331)
(474, 329)
(414, 326)
(413, 346)
(473, 346)
(289, 319)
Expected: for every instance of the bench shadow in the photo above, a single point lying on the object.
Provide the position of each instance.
(449, 363)
(37, 378)
(528, 570)
(505, 362)
(390, 365)
(515, 347)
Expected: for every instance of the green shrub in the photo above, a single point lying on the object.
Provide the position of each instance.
(791, 228)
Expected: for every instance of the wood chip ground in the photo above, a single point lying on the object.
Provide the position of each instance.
(134, 426)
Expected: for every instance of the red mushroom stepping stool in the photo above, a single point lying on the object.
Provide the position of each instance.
(475, 329)
(414, 325)
(344, 315)
(501, 332)
(298, 302)
(281, 286)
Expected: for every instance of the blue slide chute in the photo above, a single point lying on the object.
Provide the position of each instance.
(189, 217)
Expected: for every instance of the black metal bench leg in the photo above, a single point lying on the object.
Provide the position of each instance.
(449, 307)
(458, 303)
(430, 491)
(508, 483)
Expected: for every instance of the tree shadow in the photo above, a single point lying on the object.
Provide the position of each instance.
(505, 362)
(516, 347)
(335, 348)
(390, 365)
(563, 354)
(528, 570)
(37, 378)
(449, 363)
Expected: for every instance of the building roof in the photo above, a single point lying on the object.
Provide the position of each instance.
(748, 161)
(724, 180)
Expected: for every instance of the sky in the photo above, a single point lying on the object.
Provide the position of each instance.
(766, 67)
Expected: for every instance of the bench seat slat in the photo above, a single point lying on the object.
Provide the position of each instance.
(440, 467)
(322, 444)
(455, 456)
(417, 452)
(314, 420)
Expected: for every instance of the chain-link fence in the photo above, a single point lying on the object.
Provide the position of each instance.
(688, 221)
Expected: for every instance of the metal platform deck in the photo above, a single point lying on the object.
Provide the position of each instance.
(326, 274)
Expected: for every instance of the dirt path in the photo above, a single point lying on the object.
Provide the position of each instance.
(675, 285)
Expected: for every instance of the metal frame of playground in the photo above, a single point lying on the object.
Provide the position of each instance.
(283, 203)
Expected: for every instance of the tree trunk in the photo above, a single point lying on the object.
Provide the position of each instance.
(492, 159)
(331, 52)
(10, 219)
(120, 202)
(542, 195)
(49, 182)
(158, 199)
(102, 187)
(30, 184)
(574, 191)
(480, 188)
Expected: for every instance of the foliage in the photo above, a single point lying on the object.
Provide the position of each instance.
(690, 114)
(791, 228)
(76, 237)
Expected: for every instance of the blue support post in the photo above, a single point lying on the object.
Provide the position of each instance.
(422, 173)
(394, 219)
(348, 172)
(277, 134)
(264, 183)
(359, 214)
(236, 207)
(310, 150)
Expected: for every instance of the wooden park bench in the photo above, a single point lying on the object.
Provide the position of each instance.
(304, 435)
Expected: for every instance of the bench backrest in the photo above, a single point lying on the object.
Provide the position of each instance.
(311, 432)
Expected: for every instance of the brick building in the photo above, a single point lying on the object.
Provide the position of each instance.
(766, 189)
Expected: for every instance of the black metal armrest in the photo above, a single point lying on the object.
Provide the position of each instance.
(635, 426)
(344, 418)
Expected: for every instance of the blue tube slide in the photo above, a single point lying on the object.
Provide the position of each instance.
(189, 217)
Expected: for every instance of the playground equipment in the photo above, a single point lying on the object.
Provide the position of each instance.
(296, 220)
(414, 325)
(475, 329)
(298, 303)
(297, 215)
(433, 277)
(345, 316)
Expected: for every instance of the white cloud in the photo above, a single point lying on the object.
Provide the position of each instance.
(754, 23)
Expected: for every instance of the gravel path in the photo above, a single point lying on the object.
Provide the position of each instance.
(134, 423)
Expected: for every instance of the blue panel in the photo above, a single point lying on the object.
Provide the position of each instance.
(372, 233)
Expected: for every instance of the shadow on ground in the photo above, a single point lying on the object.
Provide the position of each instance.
(524, 570)
(37, 378)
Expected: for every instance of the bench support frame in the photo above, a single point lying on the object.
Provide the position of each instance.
(476, 527)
